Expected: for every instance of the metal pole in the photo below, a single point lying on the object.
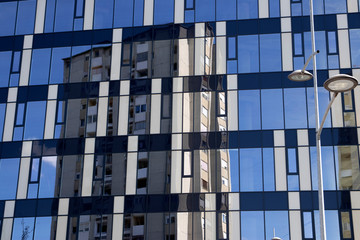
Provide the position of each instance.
(318, 141)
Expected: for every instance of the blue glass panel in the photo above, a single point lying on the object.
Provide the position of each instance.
(33, 190)
(278, 220)
(20, 114)
(49, 16)
(251, 170)
(231, 48)
(16, 61)
(248, 54)
(320, 41)
(26, 17)
(8, 16)
(269, 170)
(307, 224)
(204, 10)
(34, 176)
(40, 65)
(295, 108)
(225, 10)
(138, 12)
(43, 228)
(189, 16)
(9, 170)
(79, 8)
(296, 9)
(272, 109)
(270, 52)
(328, 168)
(323, 102)
(34, 120)
(333, 61)
(78, 24)
(23, 228)
(249, 110)
(332, 224)
(58, 64)
(18, 133)
(298, 44)
(2, 118)
(252, 225)
(189, 4)
(103, 14)
(355, 47)
(292, 160)
(64, 15)
(247, 9)
(332, 42)
(163, 11)
(123, 13)
(335, 6)
(318, 7)
(274, 7)
(47, 177)
(231, 66)
(299, 62)
(5, 62)
(293, 182)
(234, 170)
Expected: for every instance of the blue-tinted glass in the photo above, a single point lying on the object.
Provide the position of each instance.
(103, 15)
(251, 170)
(231, 47)
(5, 62)
(18, 133)
(293, 182)
(49, 16)
(270, 53)
(328, 168)
(332, 42)
(307, 225)
(32, 190)
(272, 109)
(295, 108)
(34, 120)
(355, 47)
(35, 170)
(164, 11)
(298, 44)
(332, 224)
(79, 8)
(14, 79)
(225, 10)
(299, 62)
(16, 62)
(60, 112)
(204, 10)
(249, 110)
(318, 7)
(323, 102)
(252, 225)
(9, 170)
(269, 171)
(296, 9)
(40, 65)
(138, 12)
(123, 13)
(247, 9)
(23, 227)
(274, 7)
(64, 15)
(335, 6)
(43, 228)
(231, 66)
(333, 61)
(189, 4)
(26, 17)
(20, 114)
(320, 41)
(189, 16)
(2, 118)
(78, 24)
(279, 221)
(8, 16)
(58, 64)
(234, 170)
(47, 177)
(248, 54)
(292, 160)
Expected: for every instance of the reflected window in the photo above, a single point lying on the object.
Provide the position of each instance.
(64, 15)
(248, 53)
(295, 108)
(123, 13)
(60, 65)
(225, 10)
(278, 220)
(163, 11)
(247, 9)
(346, 225)
(249, 110)
(8, 16)
(347, 161)
(272, 109)
(9, 171)
(34, 120)
(103, 14)
(354, 47)
(328, 168)
(270, 52)
(252, 225)
(5, 63)
(23, 228)
(251, 170)
(40, 66)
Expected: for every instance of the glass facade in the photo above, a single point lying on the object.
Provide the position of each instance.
(174, 119)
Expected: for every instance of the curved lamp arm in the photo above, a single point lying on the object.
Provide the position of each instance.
(326, 113)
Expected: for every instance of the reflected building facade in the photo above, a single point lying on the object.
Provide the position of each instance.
(174, 119)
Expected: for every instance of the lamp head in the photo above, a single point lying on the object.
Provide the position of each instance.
(300, 76)
(340, 83)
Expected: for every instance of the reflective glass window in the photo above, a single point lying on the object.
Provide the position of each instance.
(103, 14)
(64, 15)
(270, 52)
(248, 53)
(247, 9)
(277, 221)
(272, 109)
(59, 70)
(5, 63)
(34, 120)
(49, 16)
(323, 102)
(308, 224)
(332, 42)
(23, 228)
(347, 167)
(204, 10)
(252, 225)
(163, 11)
(318, 7)
(138, 12)
(47, 177)
(9, 171)
(234, 169)
(328, 168)
(79, 11)
(8, 16)
(79, 64)
(40, 66)
(225, 10)
(295, 108)
(332, 224)
(269, 169)
(274, 8)
(123, 13)
(335, 6)
(26, 17)
(292, 160)
(346, 225)
(43, 228)
(321, 45)
(354, 47)
(251, 170)
(249, 110)
(298, 48)
(2, 118)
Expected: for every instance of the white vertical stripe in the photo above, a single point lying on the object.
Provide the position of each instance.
(199, 56)
(155, 85)
(287, 57)
(263, 8)
(234, 222)
(89, 14)
(9, 122)
(279, 138)
(220, 28)
(133, 143)
(355, 199)
(131, 173)
(9, 209)
(6, 228)
(337, 112)
(295, 225)
(117, 228)
(304, 168)
(344, 49)
(176, 141)
(357, 104)
(232, 111)
(50, 119)
(63, 206)
(123, 115)
(221, 55)
(61, 227)
(12, 94)
(294, 200)
(26, 148)
(89, 145)
(117, 35)
(115, 62)
(40, 16)
(177, 113)
(104, 89)
(179, 11)
(25, 67)
(87, 175)
(155, 114)
(149, 12)
(23, 178)
(280, 169)
(102, 117)
(52, 92)
(302, 137)
(352, 6)
(176, 169)
(285, 8)
(119, 204)
(356, 223)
